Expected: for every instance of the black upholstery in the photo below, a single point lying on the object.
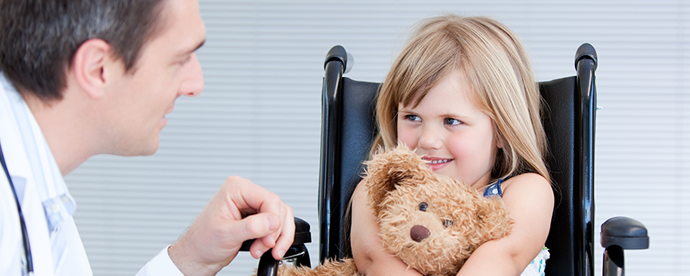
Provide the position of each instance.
(359, 128)
(559, 124)
(357, 131)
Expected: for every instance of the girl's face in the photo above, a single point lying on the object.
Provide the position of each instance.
(449, 131)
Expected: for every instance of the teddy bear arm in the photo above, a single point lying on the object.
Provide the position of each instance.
(346, 267)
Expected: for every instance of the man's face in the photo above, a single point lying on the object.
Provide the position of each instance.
(167, 68)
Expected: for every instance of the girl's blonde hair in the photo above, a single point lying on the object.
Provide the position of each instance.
(495, 63)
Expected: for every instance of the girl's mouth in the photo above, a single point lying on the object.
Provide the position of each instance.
(437, 163)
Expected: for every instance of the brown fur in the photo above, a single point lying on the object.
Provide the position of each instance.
(345, 268)
(457, 217)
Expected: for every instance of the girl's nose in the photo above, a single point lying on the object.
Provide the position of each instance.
(430, 139)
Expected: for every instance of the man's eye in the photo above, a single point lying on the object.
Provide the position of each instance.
(184, 61)
(451, 121)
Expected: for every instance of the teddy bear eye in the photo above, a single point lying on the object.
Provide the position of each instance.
(447, 223)
(422, 206)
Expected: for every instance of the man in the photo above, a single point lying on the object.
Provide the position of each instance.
(82, 78)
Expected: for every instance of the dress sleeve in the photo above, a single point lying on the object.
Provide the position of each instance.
(160, 265)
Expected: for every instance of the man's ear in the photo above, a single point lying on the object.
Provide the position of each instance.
(89, 66)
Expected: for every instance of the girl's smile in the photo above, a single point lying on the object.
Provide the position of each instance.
(437, 163)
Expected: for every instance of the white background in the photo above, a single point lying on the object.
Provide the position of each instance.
(259, 117)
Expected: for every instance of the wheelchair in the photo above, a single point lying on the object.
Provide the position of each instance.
(349, 127)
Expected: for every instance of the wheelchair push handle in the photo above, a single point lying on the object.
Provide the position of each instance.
(338, 53)
(586, 51)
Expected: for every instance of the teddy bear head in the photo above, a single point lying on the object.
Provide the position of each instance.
(432, 222)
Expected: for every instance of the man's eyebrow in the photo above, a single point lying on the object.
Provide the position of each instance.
(182, 53)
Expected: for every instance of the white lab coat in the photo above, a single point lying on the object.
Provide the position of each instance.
(36, 178)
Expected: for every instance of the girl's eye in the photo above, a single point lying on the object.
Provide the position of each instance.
(413, 118)
(451, 121)
(422, 206)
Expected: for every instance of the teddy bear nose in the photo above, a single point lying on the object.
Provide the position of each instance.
(418, 233)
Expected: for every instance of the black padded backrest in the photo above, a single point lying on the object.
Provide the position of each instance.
(559, 125)
(359, 128)
(358, 131)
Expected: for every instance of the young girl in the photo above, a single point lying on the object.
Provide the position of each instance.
(462, 94)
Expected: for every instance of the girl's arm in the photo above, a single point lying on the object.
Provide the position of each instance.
(370, 256)
(529, 199)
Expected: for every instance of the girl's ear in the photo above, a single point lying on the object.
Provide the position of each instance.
(500, 142)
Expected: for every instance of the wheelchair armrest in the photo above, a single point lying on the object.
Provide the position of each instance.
(624, 232)
(618, 234)
(269, 266)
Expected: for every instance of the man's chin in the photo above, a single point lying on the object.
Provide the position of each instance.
(140, 149)
(149, 152)
(151, 149)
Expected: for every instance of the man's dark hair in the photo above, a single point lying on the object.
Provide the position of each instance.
(39, 38)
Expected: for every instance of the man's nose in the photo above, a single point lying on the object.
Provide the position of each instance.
(194, 79)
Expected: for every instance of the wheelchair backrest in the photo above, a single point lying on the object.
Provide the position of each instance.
(349, 127)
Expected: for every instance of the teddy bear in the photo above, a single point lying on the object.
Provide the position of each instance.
(431, 222)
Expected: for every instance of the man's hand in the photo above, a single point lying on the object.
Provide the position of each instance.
(239, 211)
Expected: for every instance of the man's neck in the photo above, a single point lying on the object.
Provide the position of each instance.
(62, 129)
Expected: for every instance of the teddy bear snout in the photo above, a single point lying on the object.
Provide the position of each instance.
(418, 233)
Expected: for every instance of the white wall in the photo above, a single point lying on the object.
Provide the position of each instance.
(259, 116)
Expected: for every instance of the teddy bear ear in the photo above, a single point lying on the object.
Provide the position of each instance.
(387, 169)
